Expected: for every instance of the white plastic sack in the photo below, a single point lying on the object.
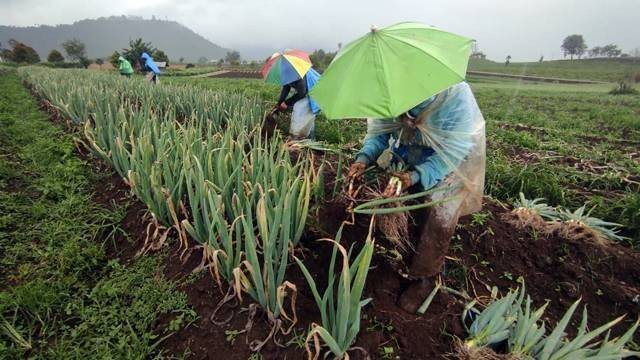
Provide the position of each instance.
(302, 119)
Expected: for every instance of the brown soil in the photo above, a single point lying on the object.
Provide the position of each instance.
(481, 255)
(554, 269)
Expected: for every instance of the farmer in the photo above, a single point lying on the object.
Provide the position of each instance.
(304, 112)
(442, 143)
(147, 65)
(124, 67)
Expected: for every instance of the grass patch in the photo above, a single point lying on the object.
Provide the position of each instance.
(61, 296)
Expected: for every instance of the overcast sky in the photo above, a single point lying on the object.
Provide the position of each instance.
(524, 29)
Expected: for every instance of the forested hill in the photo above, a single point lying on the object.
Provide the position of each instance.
(104, 35)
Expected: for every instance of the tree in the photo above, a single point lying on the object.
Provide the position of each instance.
(233, 57)
(55, 56)
(135, 50)
(573, 45)
(113, 59)
(611, 50)
(595, 51)
(202, 60)
(99, 61)
(507, 60)
(541, 59)
(181, 60)
(321, 59)
(159, 55)
(21, 53)
(76, 51)
(317, 57)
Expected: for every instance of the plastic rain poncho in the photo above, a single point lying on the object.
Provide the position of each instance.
(124, 66)
(449, 142)
(312, 77)
(148, 64)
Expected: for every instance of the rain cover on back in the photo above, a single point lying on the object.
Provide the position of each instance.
(453, 126)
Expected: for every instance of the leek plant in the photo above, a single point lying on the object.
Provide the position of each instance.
(247, 200)
(341, 303)
(374, 207)
(512, 320)
(535, 206)
(602, 230)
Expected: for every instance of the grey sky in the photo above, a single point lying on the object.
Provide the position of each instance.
(523, 29)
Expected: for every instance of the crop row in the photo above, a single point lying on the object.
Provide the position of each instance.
(197, 159)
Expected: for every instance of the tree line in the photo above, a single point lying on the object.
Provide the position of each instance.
(75, 51)
(575, 45)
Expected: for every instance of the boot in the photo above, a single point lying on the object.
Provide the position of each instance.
(413, 296)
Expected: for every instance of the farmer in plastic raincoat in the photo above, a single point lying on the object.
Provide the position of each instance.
(442, 143)
(124, 67)
(152, 70)
(304, 112)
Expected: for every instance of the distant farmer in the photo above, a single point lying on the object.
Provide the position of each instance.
(303, 116)
(124, 67)
(442, 143)
(147, 65)
(292, 70)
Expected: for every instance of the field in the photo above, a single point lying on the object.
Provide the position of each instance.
(606, 70)
(127, 199)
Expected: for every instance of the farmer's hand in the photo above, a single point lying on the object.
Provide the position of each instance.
(398, 183)
(282, 106)
(356, 170)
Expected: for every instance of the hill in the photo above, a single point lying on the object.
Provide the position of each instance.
(584, 69)
(104, 35)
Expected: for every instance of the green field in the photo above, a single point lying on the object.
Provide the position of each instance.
(61, 295)
(585, 153)
(67, 294)
(608, 70)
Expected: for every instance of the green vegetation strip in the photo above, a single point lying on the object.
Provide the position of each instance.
(61, 296)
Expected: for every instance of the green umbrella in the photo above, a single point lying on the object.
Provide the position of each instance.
(389, 71)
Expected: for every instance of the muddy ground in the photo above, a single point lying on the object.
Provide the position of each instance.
(483, 254)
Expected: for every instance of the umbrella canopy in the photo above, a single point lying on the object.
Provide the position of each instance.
(388, 71)
(282, 69)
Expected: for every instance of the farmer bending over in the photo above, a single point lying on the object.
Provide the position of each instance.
(304, 111)
(442, 142)
(147, 65)
(124, 67)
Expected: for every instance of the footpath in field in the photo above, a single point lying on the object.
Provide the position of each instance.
(63, 293)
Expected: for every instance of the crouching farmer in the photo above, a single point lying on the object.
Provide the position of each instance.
(304, 112)
(442, 142)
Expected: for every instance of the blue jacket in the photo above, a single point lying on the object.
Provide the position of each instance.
(450, 123)
(148, 64)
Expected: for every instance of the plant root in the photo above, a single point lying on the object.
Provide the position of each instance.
(395, 228)
(576, 231)
(522, 218)
(464, 352)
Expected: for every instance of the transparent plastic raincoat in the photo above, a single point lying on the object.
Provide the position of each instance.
(447, 148)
